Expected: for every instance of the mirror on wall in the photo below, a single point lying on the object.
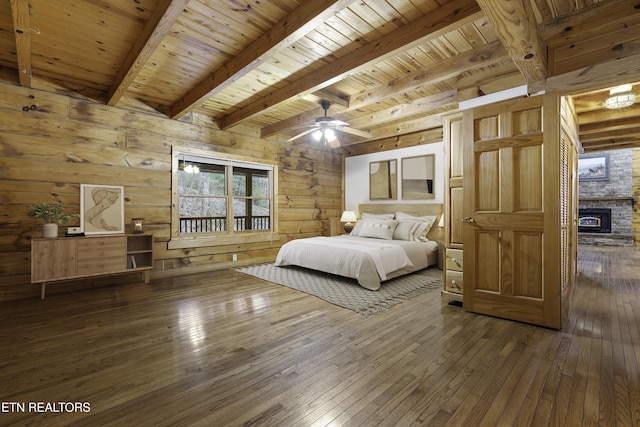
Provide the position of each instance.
(418, 175)
(383, 180)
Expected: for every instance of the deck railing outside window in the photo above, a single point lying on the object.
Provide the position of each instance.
(214, 224)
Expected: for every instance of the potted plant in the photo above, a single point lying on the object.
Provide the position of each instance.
(52, 215)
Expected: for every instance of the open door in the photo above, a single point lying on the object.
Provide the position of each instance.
(512, 210)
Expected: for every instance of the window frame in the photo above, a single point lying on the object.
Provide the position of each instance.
(229, 236)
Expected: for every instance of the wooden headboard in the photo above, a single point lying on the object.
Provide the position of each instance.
(416, 209)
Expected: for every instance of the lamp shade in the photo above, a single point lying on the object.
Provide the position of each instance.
(348, 216)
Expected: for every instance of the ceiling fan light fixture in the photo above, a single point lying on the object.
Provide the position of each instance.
(317, 135)
(620, 97)
(329, 134)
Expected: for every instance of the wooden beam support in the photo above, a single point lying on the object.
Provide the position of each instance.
(22, 32)
(517, 29)
(432, 25)
(471, 60)
(490, 80)
(604, 16)
(443, 100)
(609, 125)
(604, 114)
(156, 28)
(594, 77)
(285, 33)
(409, 126)
(610, 135)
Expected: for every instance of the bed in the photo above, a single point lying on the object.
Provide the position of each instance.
(387, 242)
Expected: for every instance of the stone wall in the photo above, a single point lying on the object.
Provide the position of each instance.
(615, 193)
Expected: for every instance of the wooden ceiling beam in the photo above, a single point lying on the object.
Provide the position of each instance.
(479, 57)
(608, 135)
(446, 100)
(483, 56)
(516, 27)
(608, 125)
(154, 31)
(597, 76)
(408, 126)
(605, 114)
(338, 103)
(22, 32)
(490, 80)
(435, 24)
(598, 17)
(285, 33)
(612, 144)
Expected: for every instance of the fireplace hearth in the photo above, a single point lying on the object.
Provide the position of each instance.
(594, 220)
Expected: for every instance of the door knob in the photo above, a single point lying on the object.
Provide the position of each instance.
(467, 219)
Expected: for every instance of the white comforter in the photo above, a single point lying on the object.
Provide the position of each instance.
(370, 261)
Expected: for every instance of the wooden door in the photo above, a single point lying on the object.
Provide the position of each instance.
(511, 209)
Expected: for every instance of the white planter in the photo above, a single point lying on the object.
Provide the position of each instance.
(50, 230)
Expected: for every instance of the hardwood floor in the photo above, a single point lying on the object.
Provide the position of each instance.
(225, 349)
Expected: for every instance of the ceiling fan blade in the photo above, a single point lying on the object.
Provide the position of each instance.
(357, 132)
(300, 135)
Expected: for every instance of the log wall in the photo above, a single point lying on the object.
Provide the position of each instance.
(635, 221)
(51, 143)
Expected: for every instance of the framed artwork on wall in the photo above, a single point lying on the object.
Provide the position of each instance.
(101, 209)
(418, 175)
(383, 180)
(593, 168)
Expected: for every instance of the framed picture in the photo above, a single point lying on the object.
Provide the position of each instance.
(101, 209)
(383, 180)
(418, 174)
(593, 168)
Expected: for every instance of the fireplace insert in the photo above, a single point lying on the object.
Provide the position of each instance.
(594, 220)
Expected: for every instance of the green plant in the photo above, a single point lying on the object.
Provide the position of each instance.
(50, 213)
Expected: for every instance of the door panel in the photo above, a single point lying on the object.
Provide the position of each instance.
(510, 230)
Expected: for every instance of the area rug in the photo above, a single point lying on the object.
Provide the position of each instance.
(345, 292)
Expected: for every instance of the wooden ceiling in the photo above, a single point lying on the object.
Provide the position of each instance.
(390, 67)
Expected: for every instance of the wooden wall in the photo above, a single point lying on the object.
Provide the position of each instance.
(635, 222)
(51, 143)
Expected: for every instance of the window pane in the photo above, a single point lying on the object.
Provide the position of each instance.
(261, 207)
(209, 180)
(239, 185)
(260, 184)
(202, 214)
(240, 207)
(202, 207)
(251, 214)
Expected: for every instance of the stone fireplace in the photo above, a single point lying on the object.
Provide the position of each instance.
(605, 199)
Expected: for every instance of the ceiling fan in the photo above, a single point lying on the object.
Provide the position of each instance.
(325, 129)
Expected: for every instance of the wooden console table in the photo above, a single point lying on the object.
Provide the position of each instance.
(66, 258)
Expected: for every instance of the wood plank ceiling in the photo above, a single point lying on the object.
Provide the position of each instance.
(389, 67)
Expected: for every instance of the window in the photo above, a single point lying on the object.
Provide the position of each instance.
(220, 199)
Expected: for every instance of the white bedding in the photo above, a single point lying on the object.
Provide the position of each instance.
(368, 260)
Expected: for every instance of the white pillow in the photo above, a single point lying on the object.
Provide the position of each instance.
(378, 228)
(366, 217)
(408, 229)
(429, 220)
(358, 227)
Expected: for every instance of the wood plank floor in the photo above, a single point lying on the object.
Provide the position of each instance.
(225, 349)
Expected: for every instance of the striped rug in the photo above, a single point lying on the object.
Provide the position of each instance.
(346, 292)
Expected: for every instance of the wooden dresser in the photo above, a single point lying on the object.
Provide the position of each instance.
(67, 258)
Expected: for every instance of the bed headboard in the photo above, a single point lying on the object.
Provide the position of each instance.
(417, 209)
